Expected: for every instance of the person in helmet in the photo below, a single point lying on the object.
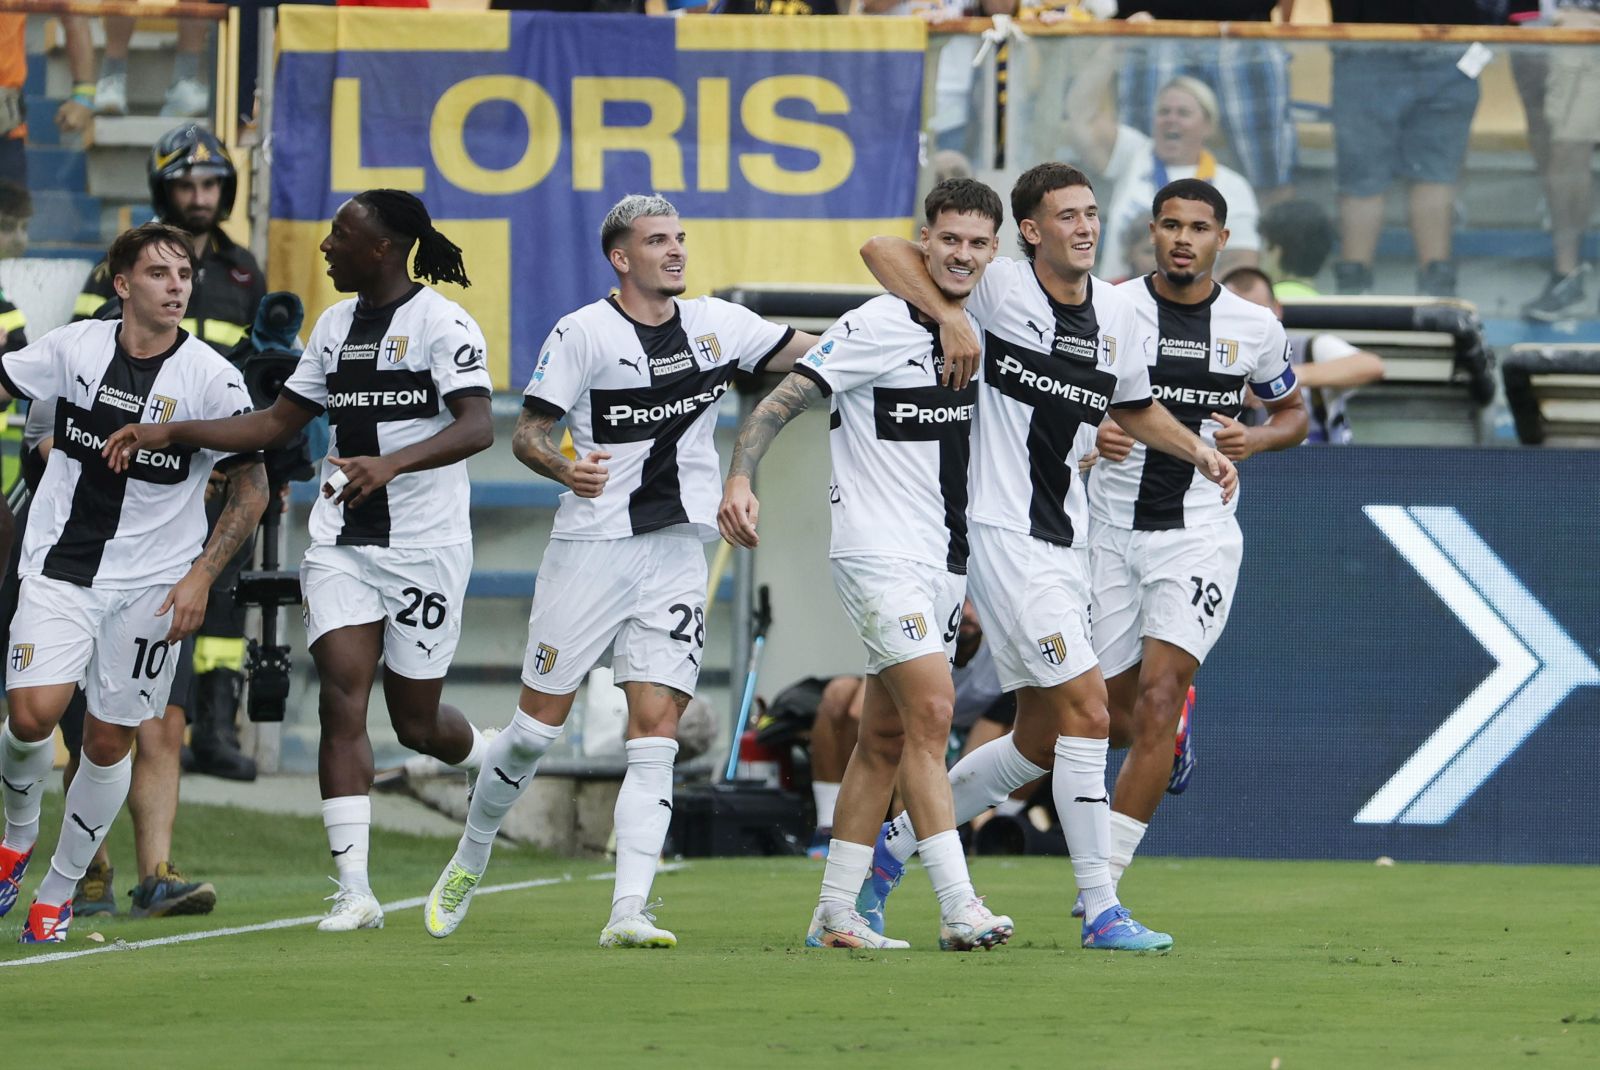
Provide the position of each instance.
(192, 186)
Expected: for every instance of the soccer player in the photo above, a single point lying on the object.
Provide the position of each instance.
(1060, 351)
(114, 575)
(1164, 550)
(637, 377)
(401, 372)
(900, 443)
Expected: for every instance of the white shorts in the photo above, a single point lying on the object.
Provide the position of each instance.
(901, 609)
(111, 642)
(1033, 601)
(1176, 586)
(417, 592)
(643, 596)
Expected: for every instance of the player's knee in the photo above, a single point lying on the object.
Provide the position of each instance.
(414, 735)
(29, 723)
(929, 720)
(883, 747)
(1156, 718)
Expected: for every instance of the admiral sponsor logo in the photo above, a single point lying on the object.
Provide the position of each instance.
(1027, 377)
(618, 415)
(681, 361)
(395, 346)
(906, 412)
(708, 347)
(544, 658)
(1075, 347)
(120, 399)
(1184, 347)
(359, 351)
(361, 399)
(1183, 395)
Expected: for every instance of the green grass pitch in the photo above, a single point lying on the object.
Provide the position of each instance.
(1309, 964)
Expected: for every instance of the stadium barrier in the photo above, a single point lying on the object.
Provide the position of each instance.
(1554, 392)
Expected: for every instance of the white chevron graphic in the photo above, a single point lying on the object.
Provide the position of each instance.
(1539, 666)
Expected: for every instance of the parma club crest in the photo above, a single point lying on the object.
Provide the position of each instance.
(544, 658)
(21, 656)
(1054, 648)
(915, 626)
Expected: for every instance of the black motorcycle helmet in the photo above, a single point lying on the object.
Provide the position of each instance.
(190, 149)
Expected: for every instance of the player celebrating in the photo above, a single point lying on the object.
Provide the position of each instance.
(111, 580)
(1164, 550)
(899, 495)
(1060, 351)
(400, 370)
(637, 376)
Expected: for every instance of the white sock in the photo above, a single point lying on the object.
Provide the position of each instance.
(947, 871)
(505, 770)
(842, 878)
(348, 820)
(24, 767)
(826, 796)
(93, 802)
(644, 810)
(982, 779)
(1084, 806)
(1126, 832)
(480, 747)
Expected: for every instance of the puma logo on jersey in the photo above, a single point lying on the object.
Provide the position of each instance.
(234, 386)
(1036, 329)
(561, 332)
(848, 329)
(94, 833)
(919, 363)
(634, 363)
(426, 649)
(693, 659)
(147, 696)
(83, 382)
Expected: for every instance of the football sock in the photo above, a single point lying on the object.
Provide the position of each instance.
(644, 810)
(1126, 832)
(842, 877)
(1084, 806)
(982, 779)
(508, 765)
(93, 801)
(23, 767)
(947, 871)
(348, 820)
(474, 758)
(825, 795)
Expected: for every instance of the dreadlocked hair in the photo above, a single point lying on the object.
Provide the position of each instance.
(438, 258)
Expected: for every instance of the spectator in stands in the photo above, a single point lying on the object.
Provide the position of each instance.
(1138, 252)
(13, 112)
(1400, 113)
(1297, 238)
(16, 209)
(188, 93)
(77, 111)
(1249, 77)
(1572, 120)
(1329, 368)
(1139, 164)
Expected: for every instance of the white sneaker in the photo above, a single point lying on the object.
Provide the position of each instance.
(186, 98)
(351, 910)
(637, 930)
(447, 903)
(111, 95)
(846, 928)
(973, 926)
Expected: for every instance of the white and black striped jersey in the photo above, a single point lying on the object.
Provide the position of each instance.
(900, 440)
(385, 377)
(648, 396)
(1049, 371)
(1201, 357)
(145, 526)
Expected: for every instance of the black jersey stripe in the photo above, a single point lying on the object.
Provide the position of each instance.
(356, 426)
(944, 416)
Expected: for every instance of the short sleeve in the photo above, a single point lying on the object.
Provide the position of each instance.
(994, 286)
(847, 355)
(1272, 377)
(1130, 363)
(307, 386)
(34, 371)
(562, 372)
(459, 358)
(753, 341)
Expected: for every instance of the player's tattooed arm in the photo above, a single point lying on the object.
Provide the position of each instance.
(736, 517)
(247, 500)
(532, 444)
(899, 266)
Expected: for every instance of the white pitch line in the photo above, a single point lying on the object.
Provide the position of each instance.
(290, 923)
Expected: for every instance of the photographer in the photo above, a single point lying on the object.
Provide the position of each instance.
(192, 187)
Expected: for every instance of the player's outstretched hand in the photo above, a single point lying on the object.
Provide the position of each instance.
(361, 477)
(127, 441)
(1233, 437)
(187, 604)
(1217, 468)
(589, 475)
(737, 515)
(961, 352)
(1113, 442)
